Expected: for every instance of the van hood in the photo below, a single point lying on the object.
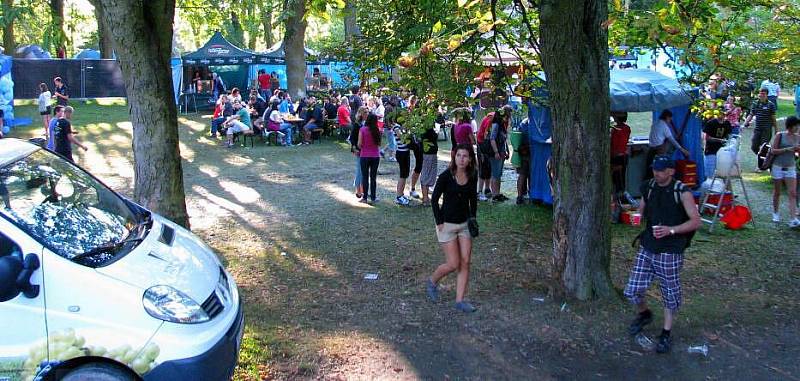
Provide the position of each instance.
(187, 264)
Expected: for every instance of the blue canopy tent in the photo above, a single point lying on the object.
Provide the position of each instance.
(637, 90)
(227, 60)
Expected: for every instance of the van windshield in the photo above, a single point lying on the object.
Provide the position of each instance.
(63, 207)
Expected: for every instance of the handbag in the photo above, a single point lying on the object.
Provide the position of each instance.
(472, 224)
(765, 151)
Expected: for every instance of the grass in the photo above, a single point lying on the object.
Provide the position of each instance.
(298, 244)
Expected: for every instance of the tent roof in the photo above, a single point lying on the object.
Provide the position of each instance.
(219, 51)
(636, 90)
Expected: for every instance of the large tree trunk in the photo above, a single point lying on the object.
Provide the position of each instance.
(294, 46)
(575, 59)
(9, 43)
(350, 24)
(103, 33)
(144, 43)
(57, 14)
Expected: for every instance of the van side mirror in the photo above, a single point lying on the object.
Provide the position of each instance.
(10, 269)
(29, 265)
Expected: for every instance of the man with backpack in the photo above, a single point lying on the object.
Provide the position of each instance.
(671, 219)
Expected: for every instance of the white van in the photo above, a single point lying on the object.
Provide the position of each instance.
(95, 287)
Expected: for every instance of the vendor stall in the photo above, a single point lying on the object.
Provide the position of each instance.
(630, 91)
(217, 56)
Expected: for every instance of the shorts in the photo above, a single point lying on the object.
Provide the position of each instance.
(452, 231)
(404, 161)
(484, 169)
(497, 168)
(429, 168)
(780, 173)
(45, 112)
(666, 267)
(237, 126)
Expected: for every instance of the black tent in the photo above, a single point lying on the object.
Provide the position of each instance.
(220, 56)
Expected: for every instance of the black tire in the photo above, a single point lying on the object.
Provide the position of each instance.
(99, 372)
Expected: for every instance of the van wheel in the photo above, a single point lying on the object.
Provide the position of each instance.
(98, 372)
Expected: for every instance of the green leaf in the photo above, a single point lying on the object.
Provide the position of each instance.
(437, 27)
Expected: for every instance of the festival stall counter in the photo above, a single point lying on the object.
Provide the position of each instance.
(636, 90)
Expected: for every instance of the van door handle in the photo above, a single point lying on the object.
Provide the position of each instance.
(30, 264)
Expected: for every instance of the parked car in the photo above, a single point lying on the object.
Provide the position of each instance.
(96, 287)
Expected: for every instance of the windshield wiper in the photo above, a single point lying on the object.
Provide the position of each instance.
(106, 248)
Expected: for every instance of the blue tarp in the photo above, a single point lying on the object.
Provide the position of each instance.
(638, 90)
(177, 77)
(630, 91)
(6, 92)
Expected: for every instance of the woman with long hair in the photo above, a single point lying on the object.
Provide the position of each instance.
(355, 130)
(784, 169)
(369, 142)
(458, 186)
(44, 106)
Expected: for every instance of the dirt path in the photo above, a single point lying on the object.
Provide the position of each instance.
(299, 245)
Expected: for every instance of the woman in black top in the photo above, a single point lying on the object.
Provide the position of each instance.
(458, 186)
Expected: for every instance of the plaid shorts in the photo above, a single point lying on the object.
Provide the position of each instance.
(666, 267)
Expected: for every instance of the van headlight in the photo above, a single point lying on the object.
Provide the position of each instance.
(168, 304)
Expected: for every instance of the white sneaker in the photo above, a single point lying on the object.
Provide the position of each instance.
(414, 194)
(401, 200)
(776, 217)
(795, 223)
(482, 197)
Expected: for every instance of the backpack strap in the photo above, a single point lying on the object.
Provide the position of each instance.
(676, 191)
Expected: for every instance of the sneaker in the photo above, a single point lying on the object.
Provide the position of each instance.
(432, 290)
(359, 195)
(465, 307)
(776, 217)
(414, 194)
(401, 200)
(364, 201)
(482, 197)
(499, 198)
(502, 197)
(643, 319)
(520, 200)
(487, 192)
(795, 223)
(664, 343)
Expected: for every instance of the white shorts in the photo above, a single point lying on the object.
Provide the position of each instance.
(237, 126)
(780, 173)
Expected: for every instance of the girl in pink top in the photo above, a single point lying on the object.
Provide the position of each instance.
(369, 141)
(463, 130)
(732, 112)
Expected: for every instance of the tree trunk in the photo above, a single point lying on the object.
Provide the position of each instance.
(294, 46)
(144, 44)
(235, 33)
(266, 21)
(9, 43)
(350, 24)
(575, 60)
(103, 34)
(57, 14)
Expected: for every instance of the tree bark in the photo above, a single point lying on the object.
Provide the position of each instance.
(294, 47)
(9, 42)
(106, 46)
(236, 33)
(350, 24)
(575, 60)
(144, 44)
(266, 22)
(57, 14)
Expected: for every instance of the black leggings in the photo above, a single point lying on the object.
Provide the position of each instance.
(619, 166)
(404, 161)
(369, 171)
(760, 137)
(417, 148)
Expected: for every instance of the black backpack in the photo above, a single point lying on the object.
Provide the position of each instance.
(676, 193)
